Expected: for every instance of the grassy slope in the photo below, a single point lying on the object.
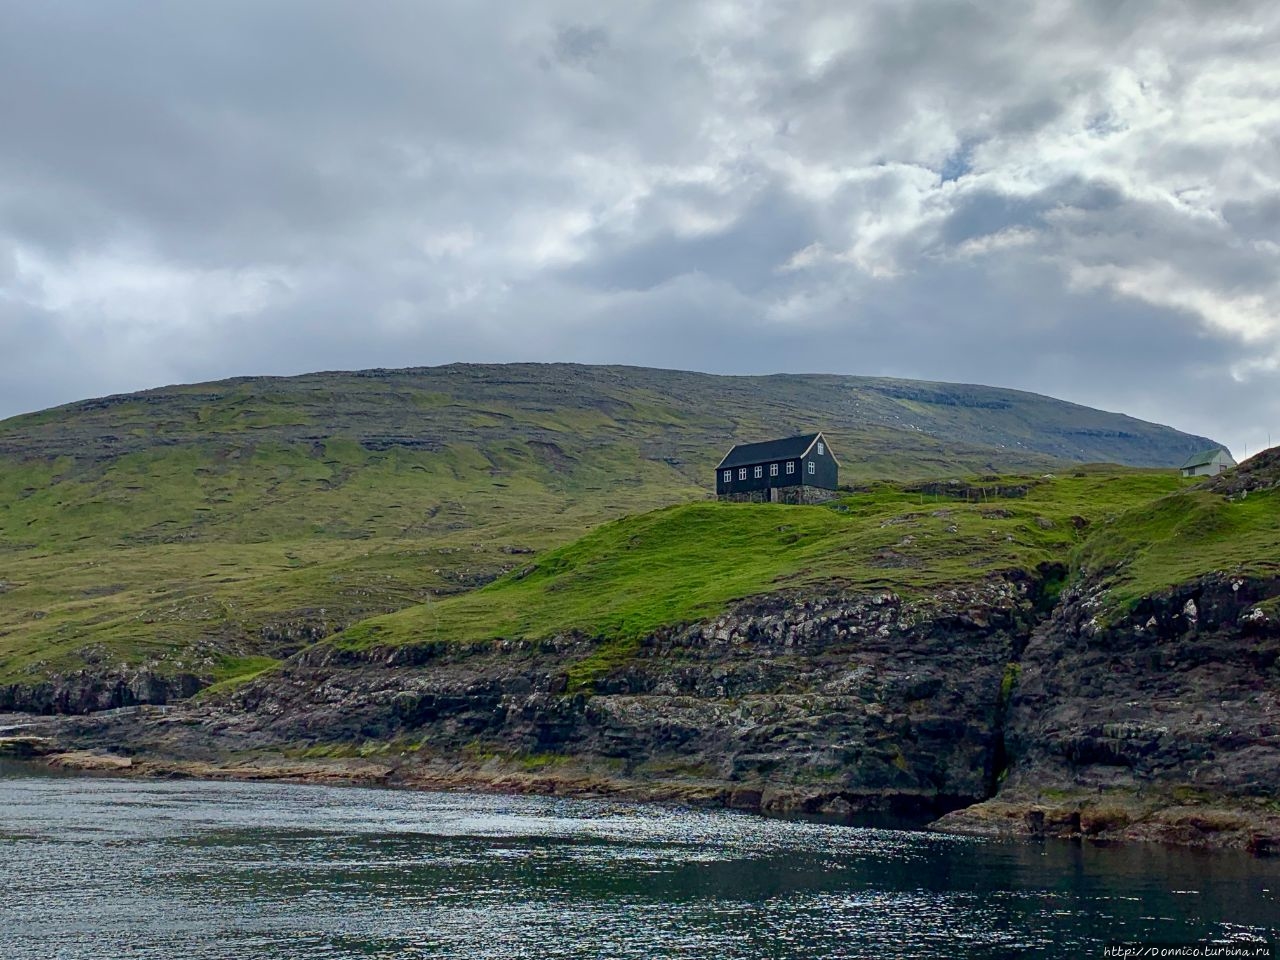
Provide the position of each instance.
(193, 526)
(198, 560)
(1148, 529)
(1176, 539)
(688, 562)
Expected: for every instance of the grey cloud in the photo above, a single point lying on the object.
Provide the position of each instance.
(1027, 116)
(579, 45)
(984, 212)
(747, 252)
(1255, 220)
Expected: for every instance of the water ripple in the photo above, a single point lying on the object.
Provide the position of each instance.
(98, 867)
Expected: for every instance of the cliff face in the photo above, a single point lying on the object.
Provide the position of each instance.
(831, 704)
(1184, 690)
(827, 703)
(90, 690)
(1163, 724)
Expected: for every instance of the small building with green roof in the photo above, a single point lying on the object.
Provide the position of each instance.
(1208, 463)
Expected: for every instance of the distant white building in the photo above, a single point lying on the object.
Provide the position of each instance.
(1208, 463)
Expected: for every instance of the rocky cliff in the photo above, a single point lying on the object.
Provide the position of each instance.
(1163, 724)
(1157, 718)
(819, 704)
(90, 690)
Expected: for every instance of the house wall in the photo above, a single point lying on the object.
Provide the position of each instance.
(794, 495)
(825, 476)
(1214, 467)
(764, 483)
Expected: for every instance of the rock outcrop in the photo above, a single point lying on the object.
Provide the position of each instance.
(88, 691)
(974, 704)
(1259, 472)
(832, 704)
(1163, 724)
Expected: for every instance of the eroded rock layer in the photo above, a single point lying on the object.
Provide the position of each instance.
(1164, 723)
(968, 703)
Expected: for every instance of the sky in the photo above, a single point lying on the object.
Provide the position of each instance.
(1080, 199)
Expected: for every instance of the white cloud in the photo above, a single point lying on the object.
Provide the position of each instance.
(134, 293)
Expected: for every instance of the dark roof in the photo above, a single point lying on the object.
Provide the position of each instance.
(1203, 457)
(745, 454)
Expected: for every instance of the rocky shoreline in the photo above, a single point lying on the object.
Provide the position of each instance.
(976, 711)
(1096, 819)
(1123, 818)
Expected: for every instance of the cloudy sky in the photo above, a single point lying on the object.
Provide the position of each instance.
(1082, 201)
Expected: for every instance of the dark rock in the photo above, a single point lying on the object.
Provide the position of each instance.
(86, 692)
(869, 695)
(742, 799)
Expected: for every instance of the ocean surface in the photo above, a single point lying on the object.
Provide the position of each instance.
(98, 867)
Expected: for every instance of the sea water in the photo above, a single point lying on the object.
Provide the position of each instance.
(102, 867)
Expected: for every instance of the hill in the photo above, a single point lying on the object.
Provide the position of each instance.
(682, 564)
(153, 542)
(1132, 534)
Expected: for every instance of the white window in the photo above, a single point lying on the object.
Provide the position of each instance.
(728, 476)
(759, 472)
(820, 451)
(773, 469)
(791, 466)
(742, 473)
(811, 466)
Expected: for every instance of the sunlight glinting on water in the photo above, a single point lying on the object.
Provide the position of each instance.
(154, 869)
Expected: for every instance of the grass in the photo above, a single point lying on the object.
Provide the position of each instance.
(1142, 531)
(1176, 539)
(1009, 682)
(679, 564)
(176, 558)
(233, 672)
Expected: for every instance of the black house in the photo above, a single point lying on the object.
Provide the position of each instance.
(792, 470)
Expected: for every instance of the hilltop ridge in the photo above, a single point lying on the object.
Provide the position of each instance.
(967, 417)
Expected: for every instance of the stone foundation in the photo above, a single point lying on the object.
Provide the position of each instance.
(793, 495)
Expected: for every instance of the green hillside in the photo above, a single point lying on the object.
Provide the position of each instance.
(196, 528)
(1230, 523)
(1148, 530)
(688, 562)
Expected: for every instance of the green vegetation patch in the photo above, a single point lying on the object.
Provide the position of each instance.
(233, 672)
(1181, 537)
(632, 576)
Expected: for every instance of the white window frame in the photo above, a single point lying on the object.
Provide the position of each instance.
(742, 473)
(758, 472)
(812, 467)
(728, 476)
(820, 450)
(791, 467)
(773, 469)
